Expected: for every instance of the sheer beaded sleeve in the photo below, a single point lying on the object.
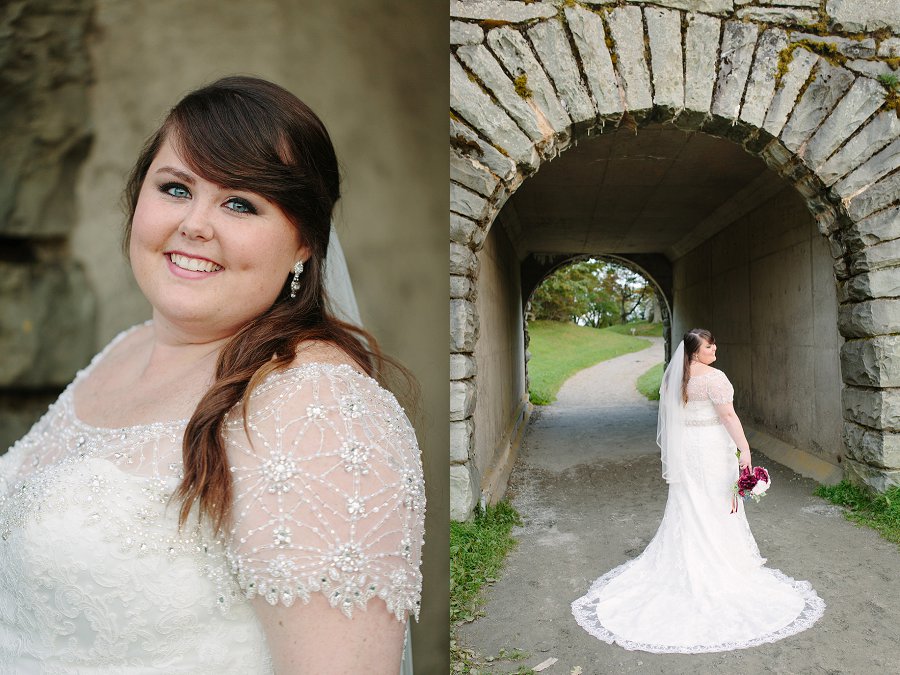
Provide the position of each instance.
(720, 389)
(328, 492)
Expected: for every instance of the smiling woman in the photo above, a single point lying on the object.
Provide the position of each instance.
(233, 465)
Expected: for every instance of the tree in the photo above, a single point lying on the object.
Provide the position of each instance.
(593, 293)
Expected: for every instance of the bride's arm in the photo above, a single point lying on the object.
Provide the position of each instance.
(733, 425)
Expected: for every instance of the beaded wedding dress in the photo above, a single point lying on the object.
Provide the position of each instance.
(95, 576)
(700, 585)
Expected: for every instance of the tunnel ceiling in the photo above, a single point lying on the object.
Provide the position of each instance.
(660, 190)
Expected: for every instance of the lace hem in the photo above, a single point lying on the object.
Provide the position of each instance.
(584, 611)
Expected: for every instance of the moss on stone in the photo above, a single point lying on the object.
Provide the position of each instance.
(521, 85)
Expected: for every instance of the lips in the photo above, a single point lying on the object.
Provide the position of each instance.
(192, 264)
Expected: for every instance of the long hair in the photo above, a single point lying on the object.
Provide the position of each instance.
(693, 340)
(249, 134)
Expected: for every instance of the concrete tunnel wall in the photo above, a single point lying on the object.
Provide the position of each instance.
(500, 353)
(765, 288)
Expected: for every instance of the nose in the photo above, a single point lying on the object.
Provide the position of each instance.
(197, 223)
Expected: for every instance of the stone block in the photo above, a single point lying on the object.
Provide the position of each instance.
(627, 31)
(883, 283)
(506, 11)
(468, 142)
(863, 99)
(486, 68)
(45, 77)
(874, 257)
(826, 89)
(463, 326)
(472, 174)
(463, 261)
(880, 316)
(761, 83)
(465, 490)
(876, 408)
(870, 476)
(868, 68)
(874, 447)
(889, 48)
(461, 435)
(462, 287)
(874, 198)
(706, 6)
(883, 129)
(879, 165)
(877, 228)
(861, 16)
(786, 94)
(463, 33)
(462, 399)
(462, 366)
(552, 47)
(849, 47)
(789, 16)
(467, 203)
(666, 60)
(46, 324)
(470, 102)
(872, 362)
(590, 41)
(516, 56)
(700, 61)
(462, 230)
(738, 43)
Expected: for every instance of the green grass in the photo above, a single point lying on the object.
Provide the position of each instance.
(881, 512)
(641, 329)
(477, 551)
(648, 383)
(559, 350)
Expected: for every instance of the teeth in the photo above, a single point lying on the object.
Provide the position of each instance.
(193, 264)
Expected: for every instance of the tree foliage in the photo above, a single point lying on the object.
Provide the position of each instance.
(593, 293)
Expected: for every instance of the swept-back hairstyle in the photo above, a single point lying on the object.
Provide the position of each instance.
(249, 134)
(693, 339)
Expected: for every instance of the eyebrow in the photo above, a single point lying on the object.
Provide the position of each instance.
(178, 173)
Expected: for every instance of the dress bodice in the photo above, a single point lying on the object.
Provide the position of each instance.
(96, 576)
(705, 392)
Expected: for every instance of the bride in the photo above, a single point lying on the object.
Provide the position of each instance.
(700, 585)
(226, 488)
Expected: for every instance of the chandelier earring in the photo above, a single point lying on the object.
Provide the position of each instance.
(295, 282)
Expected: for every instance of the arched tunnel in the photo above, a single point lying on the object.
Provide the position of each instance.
(729, 244)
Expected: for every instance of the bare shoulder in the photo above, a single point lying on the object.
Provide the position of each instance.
(700, 369)
(318, 351)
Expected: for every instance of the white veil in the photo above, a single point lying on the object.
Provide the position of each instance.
(338, 287)
(670, 424)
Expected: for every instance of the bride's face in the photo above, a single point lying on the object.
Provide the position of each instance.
(707, 352)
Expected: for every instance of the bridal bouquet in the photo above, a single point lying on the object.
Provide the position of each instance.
(750, 485)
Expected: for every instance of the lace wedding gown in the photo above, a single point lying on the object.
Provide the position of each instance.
(95, 576)
(700, 585)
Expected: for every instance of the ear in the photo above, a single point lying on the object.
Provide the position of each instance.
(303, 253)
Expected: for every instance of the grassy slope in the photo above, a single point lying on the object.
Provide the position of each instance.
(648, 383)
(559, 350)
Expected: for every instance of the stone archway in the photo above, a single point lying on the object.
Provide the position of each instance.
(788, 84)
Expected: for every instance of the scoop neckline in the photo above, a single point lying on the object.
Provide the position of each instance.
(322, 365)
(714, 370)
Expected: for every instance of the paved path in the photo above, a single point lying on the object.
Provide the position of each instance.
(588, 488)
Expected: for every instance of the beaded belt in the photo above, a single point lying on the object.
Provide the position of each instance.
(709, 422)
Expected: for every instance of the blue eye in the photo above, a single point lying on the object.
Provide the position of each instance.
(175, 190)
(239, 205)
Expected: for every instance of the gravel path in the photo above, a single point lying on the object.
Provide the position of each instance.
(588, 488)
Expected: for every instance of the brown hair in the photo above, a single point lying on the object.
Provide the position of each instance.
(693, 339)
(249, 134)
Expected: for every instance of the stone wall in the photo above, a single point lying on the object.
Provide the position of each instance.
(46, 305)
(808, 86)
(765, 288)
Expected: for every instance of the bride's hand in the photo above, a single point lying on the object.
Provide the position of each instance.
(744, 461)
